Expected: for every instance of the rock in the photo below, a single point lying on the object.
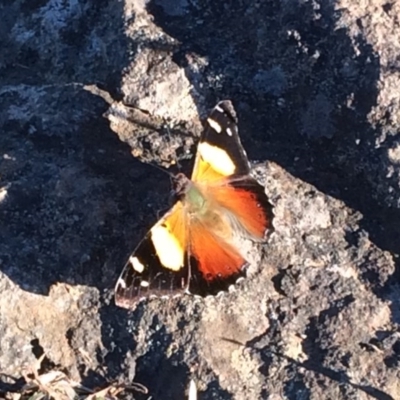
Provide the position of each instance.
(315, 86)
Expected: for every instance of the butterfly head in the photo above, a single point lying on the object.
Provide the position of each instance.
(181, 185)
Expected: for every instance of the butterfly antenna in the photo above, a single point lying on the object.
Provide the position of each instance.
(172, 177)
(170, 174)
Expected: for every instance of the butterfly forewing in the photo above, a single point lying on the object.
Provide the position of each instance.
(158, 265)
(220, 152)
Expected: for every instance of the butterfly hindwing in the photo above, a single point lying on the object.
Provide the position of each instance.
(245, 199)
(241, 209)
(215, 264)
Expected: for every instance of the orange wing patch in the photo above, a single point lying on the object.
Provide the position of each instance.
(216, 259)
(204, 172)
(244, 204)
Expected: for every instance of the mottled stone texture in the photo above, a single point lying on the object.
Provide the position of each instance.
(316, 87)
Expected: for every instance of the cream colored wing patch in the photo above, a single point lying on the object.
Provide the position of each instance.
(217, 158)
(215, 125)
(169, 250)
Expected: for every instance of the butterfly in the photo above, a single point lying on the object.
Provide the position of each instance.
(192, 248)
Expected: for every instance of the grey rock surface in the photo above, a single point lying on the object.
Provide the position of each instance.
(316, 88)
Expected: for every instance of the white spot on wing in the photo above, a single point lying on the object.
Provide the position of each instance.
(136, 264)
(215, 125)
(121, 283)
(168, 248)
(218, 108)
(217, 158)
(3, 192)
(144, 284)
(229, 132)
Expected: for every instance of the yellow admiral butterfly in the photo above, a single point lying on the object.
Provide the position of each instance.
(191, 248)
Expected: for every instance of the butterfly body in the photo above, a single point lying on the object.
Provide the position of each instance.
(189, 193)
(193, 248)
(198, 204)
